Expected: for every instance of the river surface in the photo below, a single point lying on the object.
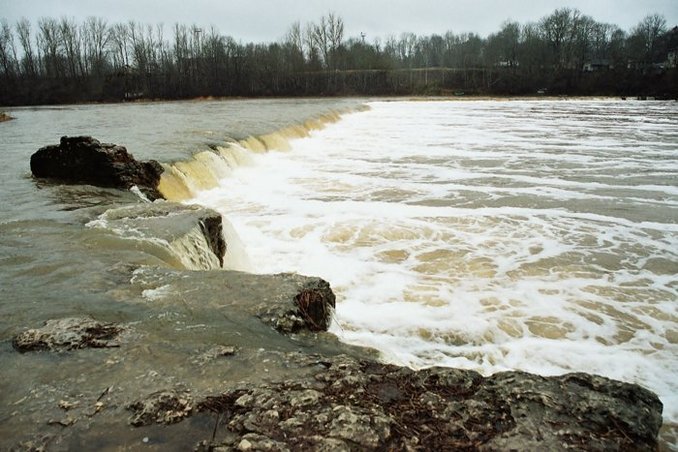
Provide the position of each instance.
(489, 235)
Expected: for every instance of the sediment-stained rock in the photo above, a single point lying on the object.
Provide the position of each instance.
(68, 334)
(365, 405)
(214, 353)
(85, 160)
(162, 407)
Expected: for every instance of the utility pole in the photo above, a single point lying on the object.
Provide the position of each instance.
(196, 35)
(196, 49)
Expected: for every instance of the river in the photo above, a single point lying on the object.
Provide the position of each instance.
(539, 235)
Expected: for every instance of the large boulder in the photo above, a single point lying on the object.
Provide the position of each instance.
(85, 160)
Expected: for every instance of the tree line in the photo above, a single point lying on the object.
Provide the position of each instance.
(566, 52)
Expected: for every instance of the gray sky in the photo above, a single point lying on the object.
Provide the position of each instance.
(268, 20)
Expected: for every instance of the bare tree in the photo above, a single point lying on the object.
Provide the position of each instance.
(49, 41)
(646, 34)
(557, 29)
(312, 46)
(29, 64)
(95, 38)
(335, 31)
(294, 41)
(119, 41)
(71, 44)
(328, 36)
(7, 50)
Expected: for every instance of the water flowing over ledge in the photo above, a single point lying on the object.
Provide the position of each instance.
(184, 179)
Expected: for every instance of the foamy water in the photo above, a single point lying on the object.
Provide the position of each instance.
(540, 236)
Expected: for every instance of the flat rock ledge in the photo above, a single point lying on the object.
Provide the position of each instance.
(85, 160)
(350, 405)
(69, 334)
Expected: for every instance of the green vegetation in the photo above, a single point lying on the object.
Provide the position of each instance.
(563, 53)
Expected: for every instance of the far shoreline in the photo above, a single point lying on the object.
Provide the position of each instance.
(386, 98)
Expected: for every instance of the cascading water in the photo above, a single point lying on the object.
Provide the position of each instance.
(461, 234)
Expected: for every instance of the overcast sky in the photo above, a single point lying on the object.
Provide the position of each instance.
(269, 20)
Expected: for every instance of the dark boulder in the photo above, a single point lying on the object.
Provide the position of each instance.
(86, 160)
(212, 229)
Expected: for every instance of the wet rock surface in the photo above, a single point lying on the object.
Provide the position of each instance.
(364, 405)
(162, 407)
(287, 302)
(310, 309)
(343, 403)
(69, 334)
(212, 228)
(86, 160)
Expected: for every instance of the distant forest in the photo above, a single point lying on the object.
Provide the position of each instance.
(564, 53)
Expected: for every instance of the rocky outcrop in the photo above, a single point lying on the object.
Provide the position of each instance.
(68, 334)
(311, 308)
(5, 117)
(364, 405)
(212, 228)
(85, 160)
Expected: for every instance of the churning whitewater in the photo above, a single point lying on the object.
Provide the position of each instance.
(488, 235)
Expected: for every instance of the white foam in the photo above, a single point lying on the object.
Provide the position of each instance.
(462, 234)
